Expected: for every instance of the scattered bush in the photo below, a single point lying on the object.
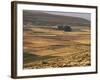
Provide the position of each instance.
(64, 27)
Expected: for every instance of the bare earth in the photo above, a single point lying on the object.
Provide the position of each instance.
(48, 47)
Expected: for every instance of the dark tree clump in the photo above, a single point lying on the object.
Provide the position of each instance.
(60, 27)
(64, 27)
(67, 28)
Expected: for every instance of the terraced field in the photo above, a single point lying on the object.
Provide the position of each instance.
(48, 47)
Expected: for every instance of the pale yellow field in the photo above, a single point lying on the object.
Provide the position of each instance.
(44, 48)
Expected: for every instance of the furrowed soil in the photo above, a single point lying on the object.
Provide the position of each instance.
(49, 47)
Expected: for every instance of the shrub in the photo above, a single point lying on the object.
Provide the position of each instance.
(67, 28)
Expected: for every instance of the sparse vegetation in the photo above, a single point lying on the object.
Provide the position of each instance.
(44, 47)
(52, 40)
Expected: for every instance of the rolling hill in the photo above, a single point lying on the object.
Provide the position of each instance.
(43, 18)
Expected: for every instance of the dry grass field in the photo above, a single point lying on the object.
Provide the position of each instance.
(49, 47)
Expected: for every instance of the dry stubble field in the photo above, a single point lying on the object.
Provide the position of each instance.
(48, 47)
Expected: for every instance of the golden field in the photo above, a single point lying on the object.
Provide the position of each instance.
(48, 47)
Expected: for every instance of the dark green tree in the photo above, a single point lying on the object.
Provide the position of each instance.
(67, 28)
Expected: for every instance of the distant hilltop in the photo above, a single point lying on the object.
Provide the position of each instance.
(44, 18)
